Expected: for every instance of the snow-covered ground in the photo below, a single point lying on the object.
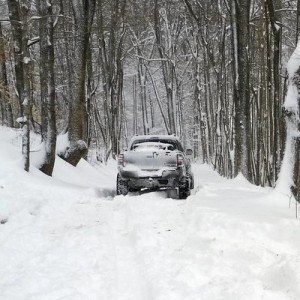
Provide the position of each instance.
(68, 237)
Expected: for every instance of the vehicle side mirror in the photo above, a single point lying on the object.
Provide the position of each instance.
(189, 152)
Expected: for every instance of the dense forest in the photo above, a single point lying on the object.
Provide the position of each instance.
(100, 71)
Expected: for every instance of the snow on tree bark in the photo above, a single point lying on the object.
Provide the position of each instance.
(19, 18)
(286, 181)
(26, 103)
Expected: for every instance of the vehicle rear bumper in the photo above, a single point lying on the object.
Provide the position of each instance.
(168, 179)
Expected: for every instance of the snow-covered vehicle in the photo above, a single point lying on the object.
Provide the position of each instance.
(155, 163)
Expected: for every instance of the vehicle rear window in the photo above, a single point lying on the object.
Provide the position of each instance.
(175, 144)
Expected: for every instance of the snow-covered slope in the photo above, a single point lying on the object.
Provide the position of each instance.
(68, 237)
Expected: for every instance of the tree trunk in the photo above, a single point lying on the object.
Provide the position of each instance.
(18, 14)
(111, 48)
(276, 29)
(240, 11)
(47, 84)
(83, 13)
(16, 26)
(7, 117)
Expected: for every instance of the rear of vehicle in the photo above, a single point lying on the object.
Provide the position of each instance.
(154, 162)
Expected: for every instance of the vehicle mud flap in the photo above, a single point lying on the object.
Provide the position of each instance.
(192, 183)
(122, 186)
(184, 191)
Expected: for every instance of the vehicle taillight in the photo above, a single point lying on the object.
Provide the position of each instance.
(179, 160)
(121, 161)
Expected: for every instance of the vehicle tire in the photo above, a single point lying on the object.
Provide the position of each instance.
(122, 186)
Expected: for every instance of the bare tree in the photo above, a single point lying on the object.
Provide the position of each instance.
(83, 13)
(111, 47)
(166, 62)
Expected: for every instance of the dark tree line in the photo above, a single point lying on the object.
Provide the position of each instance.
(212, 72)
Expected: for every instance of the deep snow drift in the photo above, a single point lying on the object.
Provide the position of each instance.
(68, 237)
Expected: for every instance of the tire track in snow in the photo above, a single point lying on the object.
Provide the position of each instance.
(131, 284)
(154, 228)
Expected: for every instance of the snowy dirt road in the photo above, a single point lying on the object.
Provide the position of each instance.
(70, 238)
(227, 241)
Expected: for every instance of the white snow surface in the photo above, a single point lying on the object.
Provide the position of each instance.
(69, 237)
